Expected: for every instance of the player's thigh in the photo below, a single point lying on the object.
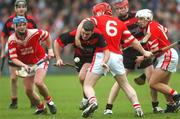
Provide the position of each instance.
(83, 71)
(148, 71)
(40, 75)
(28, 83)
(96, 66)
(158, 76)
(91, 78)
(116, 64)
(121, 79)
(12, 72)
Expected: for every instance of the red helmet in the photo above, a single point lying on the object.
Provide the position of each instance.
(121, 3)
(102, 8)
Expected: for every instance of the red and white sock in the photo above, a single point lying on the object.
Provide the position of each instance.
(136, 105)
(173, 92)
(40, 106)
(48, 99)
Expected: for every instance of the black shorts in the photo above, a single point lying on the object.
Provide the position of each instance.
(129, 57)
(82, 62)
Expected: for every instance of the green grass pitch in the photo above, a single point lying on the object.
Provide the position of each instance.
(66, 92)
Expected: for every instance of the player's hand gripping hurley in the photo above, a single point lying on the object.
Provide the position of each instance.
(23, 72)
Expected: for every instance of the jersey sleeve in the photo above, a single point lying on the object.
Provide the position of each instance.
(12, 49)
(43, 35)
(127, 37)
(93, 19)
(66, 38)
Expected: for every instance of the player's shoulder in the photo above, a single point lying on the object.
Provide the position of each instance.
(34, 31)
(155, 27)
(97, 31)
(154, 24)
(72, 33)
(10, 18)
(29, 17)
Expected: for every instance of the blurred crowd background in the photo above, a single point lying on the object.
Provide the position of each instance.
(58, 16)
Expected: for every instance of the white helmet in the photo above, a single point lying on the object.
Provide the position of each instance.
(145, 13)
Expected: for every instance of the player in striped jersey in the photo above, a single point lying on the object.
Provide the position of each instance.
(166, 60)
(130, 55)
(24, 50)
(20, 7)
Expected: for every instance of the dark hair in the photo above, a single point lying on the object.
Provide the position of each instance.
(88, 25)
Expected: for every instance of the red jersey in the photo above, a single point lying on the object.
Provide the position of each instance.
(158, 37)
(114, 31)
(29, 50)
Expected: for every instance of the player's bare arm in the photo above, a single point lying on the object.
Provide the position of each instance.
(57, 51)
(77, 37)
(136, 44)
(49, 46)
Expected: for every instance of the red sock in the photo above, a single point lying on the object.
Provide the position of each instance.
(48, 99)
(40, 106)
(173, 92)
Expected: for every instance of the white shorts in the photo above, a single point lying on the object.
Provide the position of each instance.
(168, 61)
(115, 64)
(44, 66)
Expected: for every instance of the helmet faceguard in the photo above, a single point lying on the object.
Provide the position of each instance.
(102, 8)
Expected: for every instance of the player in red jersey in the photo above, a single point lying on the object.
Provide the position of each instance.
(130, 55)
(92, 41)
(166, 60)
(25, 50)
(115, 32)
(20, 10)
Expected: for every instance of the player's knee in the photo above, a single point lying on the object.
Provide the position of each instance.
(151, 84)
(38, 83)
(81, 78)
(29, 91)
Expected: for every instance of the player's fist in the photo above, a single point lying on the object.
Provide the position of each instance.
(147, 54)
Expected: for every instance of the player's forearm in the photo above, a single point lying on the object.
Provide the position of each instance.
(18, 63)
(49, 42)
(136, 45)
(57, 50)
(77, 37)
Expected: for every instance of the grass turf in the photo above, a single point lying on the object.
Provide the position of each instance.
(66, 93)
